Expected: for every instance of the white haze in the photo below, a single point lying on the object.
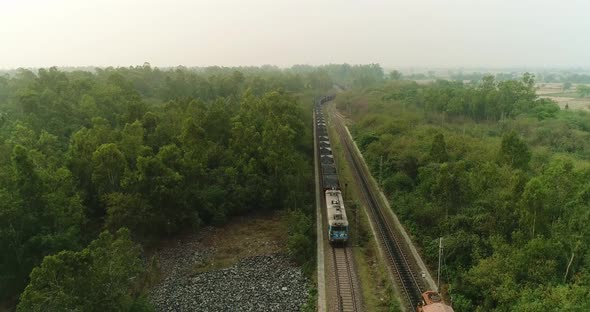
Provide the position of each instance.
(441, 33)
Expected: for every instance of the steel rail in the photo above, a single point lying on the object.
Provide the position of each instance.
(411, 288)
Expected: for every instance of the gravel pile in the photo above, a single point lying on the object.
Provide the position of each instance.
(177, 259)
(260, 283)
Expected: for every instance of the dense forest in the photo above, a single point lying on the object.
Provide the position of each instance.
(97, 163)
(499, 173)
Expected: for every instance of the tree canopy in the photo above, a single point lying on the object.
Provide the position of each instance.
(156, 151)
(499, 173)
(96, 278)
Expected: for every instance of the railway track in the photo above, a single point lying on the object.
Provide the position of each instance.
(411, 286)
(345, 282)
(344, 279)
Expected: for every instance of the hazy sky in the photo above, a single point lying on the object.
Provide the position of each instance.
(442, 33)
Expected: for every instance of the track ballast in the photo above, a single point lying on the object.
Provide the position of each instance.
(345, 290)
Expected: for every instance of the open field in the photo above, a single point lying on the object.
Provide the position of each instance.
(571, 102)
(554, 91)
(551, 88)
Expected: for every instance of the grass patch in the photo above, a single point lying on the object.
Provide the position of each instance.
(375, 284)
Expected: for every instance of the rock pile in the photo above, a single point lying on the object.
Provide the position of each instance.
(260, 283)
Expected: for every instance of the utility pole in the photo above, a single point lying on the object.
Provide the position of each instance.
(440, 251)
(381, 171)
(356, 221)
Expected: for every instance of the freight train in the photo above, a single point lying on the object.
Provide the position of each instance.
(335, 211)
(338, 230)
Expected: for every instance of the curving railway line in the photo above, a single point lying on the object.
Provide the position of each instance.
(410, 286)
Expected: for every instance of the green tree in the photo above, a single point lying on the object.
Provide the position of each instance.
(98, 278)
(514, 151)
(300, 245)
(545, 109)
(108, 166)
(35, 220)
(554, 299)
(163, 187)
(534, 205)
(395, 75)
(130, 211)
(583, 90)
(438, 149)
(131, 144)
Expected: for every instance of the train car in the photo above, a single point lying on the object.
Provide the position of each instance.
(325, 151)
(337, 221)
(431, 301)
(328, 169)
(327, 159)
(330, 182)
(325, 99)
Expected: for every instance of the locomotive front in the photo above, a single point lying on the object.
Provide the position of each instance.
(338, 223)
